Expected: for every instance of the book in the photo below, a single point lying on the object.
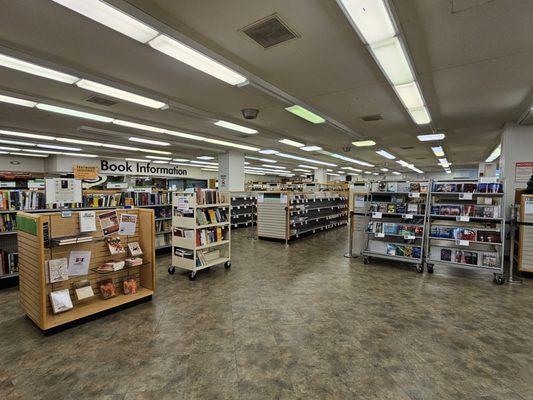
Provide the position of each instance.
(489, 260)
(87, 221)
(109, 222)
(83, 289)
(78, 263)
(446, 254)
(127, 225)
(60, 301)
(107, 288)
(133, 262)
(391, 208)
(135, 249)
(129, 285)
(414, 187)
(392, 187)
(391, 249)
(115, 245)
(390, 228)
(57, 270)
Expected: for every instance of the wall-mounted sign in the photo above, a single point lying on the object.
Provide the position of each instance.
(111, 167)
(523, 171)
(117, 185)
(85, 172)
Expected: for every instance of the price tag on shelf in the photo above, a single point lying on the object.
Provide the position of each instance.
(66, 214)
(465, 196)
(260, 198)
(463, 243)
(409, 237)
(377, 215)
(414, 195)
(379, 234)
(407, 216)
(283, 198)
(463, 218)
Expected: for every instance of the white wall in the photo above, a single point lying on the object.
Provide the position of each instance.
(25, 164)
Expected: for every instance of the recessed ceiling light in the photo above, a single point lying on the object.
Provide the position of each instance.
(386, 154)
(409, 95)
(230, 144)
(205, 158)
(495, 154)
(203, 162)
(235, 127)
(420, 115)
(184, 135)
(180, 159)
(396, 173)
(80, 155)
(305, 114)
(137, 160)
(136, 125)
(268, 160)
(307, 166)
(351, 169)
(51, 146)
(10, 148)
(268, 151)
(76, 141)
(367, 172)
(438, 151)
(291, 142)
(26, 135)
(375, 173)
(112, 18)
(392, 59)
(344, 158)
(17, 143)
(119, 94)
(119, 147)
(29, 155)
(364, 143)
(195, 59)
(159, 158)
(73, 113)
(385, 169)
(311, 148)
(34, 69)
(159, 162)
(431, 137)
(302, 170)
(154, 151)
(149, 141)
(273, 166)
(17, 101)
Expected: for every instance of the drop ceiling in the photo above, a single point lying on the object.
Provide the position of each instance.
(474, 60)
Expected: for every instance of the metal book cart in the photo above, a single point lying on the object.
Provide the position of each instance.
(466, 225)
(397, 212)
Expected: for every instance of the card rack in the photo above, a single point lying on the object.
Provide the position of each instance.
(36, 234)
(397, 216)
(466, 225)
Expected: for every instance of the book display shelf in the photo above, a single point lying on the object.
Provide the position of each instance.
(522, 234)
(466, 225)
(201, 230)
(396, 221)
(287, 216)
(243, 209)
(69, 273)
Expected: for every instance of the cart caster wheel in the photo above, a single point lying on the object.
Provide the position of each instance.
(498, 279)
(419, 268)
(227, 265)
(192, 276)
(365, 260)
(429, 269)
(171, 270)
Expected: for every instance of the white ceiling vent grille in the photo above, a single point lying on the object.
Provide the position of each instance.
(269, 32)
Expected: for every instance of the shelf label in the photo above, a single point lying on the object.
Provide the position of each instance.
(66, 214)
(283, 198)
(414, 195)
(409, 237)
(260, 198)
(465, 196)
(183, 203)
(463, 242)
(377, 214)
(463, 218)
(407, 216)
(379, 234)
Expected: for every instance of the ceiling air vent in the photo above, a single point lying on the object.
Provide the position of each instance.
(102, 101)
(370, 118)
(407, 148)
(269, 31)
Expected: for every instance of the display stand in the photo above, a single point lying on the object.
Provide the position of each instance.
(466, 226)
(37, 244)
(523, 242)
(397, 221)
(201, 225)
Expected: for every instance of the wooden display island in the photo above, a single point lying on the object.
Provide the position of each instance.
(36, 246)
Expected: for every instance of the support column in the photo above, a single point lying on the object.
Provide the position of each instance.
(320, 175)
(231, 171)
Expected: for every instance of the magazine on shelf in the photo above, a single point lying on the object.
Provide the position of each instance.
(60, 301)
(83, 289)
(107, 288)
(57, 270)
(489, 260)
(115, 245)
(135, 249)
(87, 221)
(78, 263)
(129, 285)
(109, 222)
(127, 225)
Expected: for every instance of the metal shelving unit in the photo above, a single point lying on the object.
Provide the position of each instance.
(243, 209)
(397, 220)
(466, 226)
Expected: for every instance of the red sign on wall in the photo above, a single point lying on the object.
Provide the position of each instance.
(523, 171)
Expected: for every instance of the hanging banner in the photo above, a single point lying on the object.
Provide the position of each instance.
(111, 167)
(85, 172)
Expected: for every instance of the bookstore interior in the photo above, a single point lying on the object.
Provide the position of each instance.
(314, 199)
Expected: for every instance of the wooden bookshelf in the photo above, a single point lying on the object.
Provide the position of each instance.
(33, 254)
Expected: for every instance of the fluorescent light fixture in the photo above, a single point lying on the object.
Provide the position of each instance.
(205, 158)
(402, 163)
(51, 146)
(431, 137)
(370, 18)
(268, 151)
(17, 101)
(26, 135)
(367, 172)
(311, 148)
(420, 115)
(119, 147)
(444, 162)
(246, 163)
(180, 159)
(184, 135)
(229, 144)
(352, 169)
(112, 18)
(305, 114)
(392, 59)
(386, 154)
(119, 94)
(349, 159)
(195, 59)
(495, 154)
(307, 166)
(332, 174)
(138, 126)
(291, 143)
(184, 164)
(43, 151)
(4, 152)
(204, 162)
(137, 160)
(268, 160)
(396, 173)
(448, 171)
(273, 166)
(73, 113)
(302, 170)
(29, 155)
(34, 69)
(159, 162)
(417, 170)
(329, 170)
(306, 159)
(159, 158)
(254, 173)
(235, 127)
(17, 143)
(385, 169)
(80, 155)
(438, 151)
(154, 151)
(76, 141)
(375, 173)
(149, 141)
(9, 148)
(364, 143)
(410, 95)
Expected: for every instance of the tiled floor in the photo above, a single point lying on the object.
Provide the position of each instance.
(286, 323)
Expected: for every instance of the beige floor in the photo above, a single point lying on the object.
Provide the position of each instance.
(296, 323)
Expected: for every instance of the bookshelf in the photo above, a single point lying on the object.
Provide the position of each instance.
(38, 236)
(201, 230)
(243, 209)
(466, 225)
(396, 221)
(287, 216)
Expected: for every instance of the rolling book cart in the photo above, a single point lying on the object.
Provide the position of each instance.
(53, 236)
(201, 231)
(397, 222)
(466, 225)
